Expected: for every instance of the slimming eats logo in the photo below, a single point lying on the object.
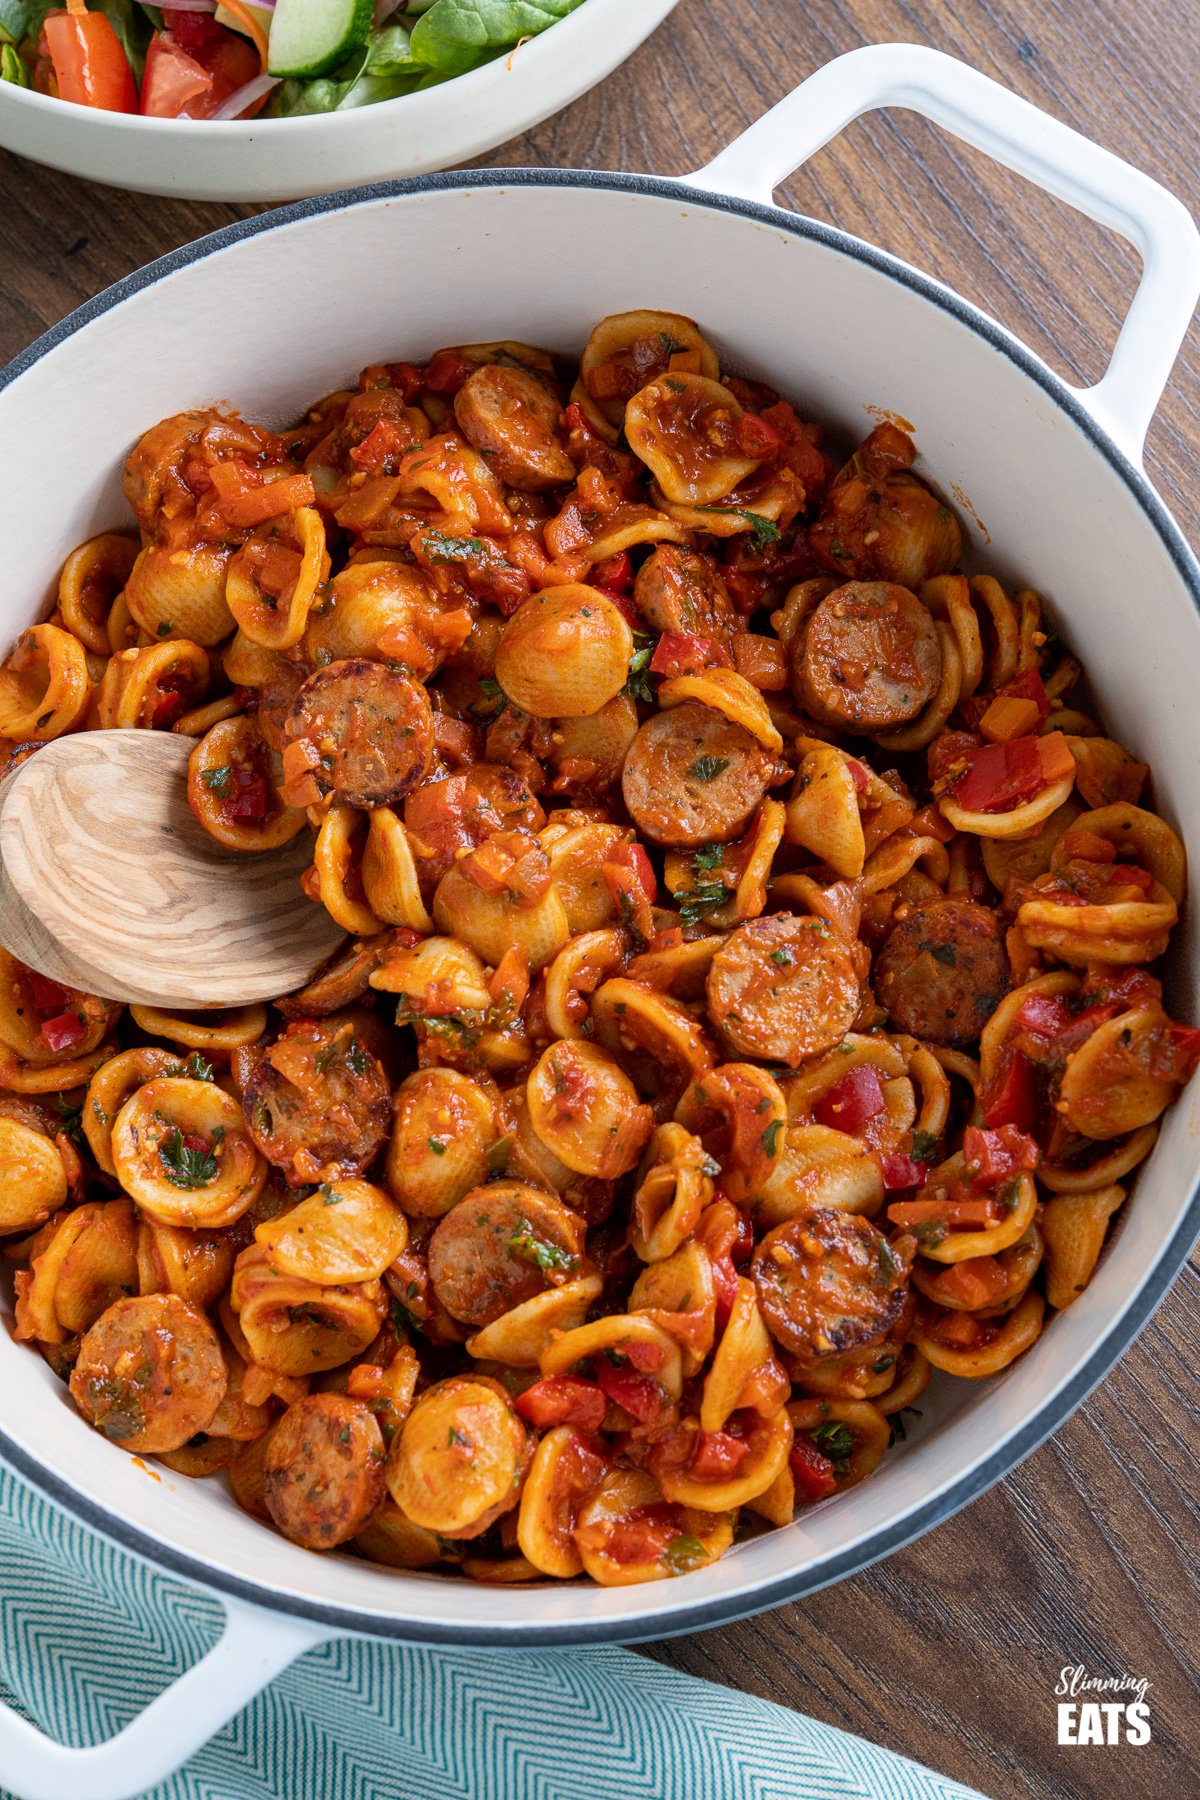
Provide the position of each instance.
(1102, 1709)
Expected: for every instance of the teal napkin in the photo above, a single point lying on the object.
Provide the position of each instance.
(89, 1634)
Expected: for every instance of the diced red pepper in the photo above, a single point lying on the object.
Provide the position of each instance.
(1045, 1015)
(446, 372)
(1013, 1098)
(639, 1397)
(1001, 777)
(252, 801)
(742, 1247)
(644, 1536)
(200, 1146)
(725, 1287)
(950, 1212)
(717, 1455)
(615, 572)
(979, 1281)
(900, 1171)
(629, 877)
(1185, 1040)
(47, 995)
(1026, 686)
(563, 1400)
(997, 1155)
(812, 1473)
(644, 1357)
(853, 1100)
(860, 776)
(62, 1033)
(758, 436)
(684, 653)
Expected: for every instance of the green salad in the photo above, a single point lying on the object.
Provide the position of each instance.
(238, 59)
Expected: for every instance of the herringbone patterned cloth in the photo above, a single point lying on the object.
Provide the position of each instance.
(88, 1635)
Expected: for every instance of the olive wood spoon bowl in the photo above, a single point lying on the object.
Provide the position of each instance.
(109, 883)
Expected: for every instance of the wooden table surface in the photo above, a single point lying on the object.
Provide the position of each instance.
(950, 1651)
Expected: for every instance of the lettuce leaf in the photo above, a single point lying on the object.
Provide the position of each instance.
(12, 68)
(457, 35)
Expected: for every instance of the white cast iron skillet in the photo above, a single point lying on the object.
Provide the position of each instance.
(274, 311)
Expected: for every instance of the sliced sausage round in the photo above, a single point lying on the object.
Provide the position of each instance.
(323, 1470)
(943, 971)
(870, 658)
(150, 1373)
(500, 1246)
(693, 777)
(783, 988)
(368, 729)
(828, 1282)
(317, 1102)
(514, 419)
(681, 591)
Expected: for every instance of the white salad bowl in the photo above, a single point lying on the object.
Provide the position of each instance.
(841, 328)
(283, 159)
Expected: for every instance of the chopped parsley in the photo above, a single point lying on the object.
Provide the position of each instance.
(456, 1440)
(770, 1136)
(637, 685)
(710, 858)
(783, 957)
(71, 1118)
(889, 1262)
(944, 954)
(684, 1553)
(324, 1057)
(491, 690)
(695, 902)
(530, 1248)
(707, 768)
(669, 345)
(436, 1145)
(217, 780)
(836, 1441)
(330, 1195)
(164, 628)
(925, 1146)
(441, 548)
(763, 531)
(197, 1069)
(357, 1060)
(496, 1155)
(186, 1168)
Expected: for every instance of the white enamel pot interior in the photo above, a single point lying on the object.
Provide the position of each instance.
(398, 271)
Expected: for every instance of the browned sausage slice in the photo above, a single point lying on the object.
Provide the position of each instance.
(514, 419)
(500, 1246)
(783, 988)
(323, 1470)
(870, 658)
(943, 971)
(680, 591)
(150, 1373)
(317, 1101)
(693, 777)
(828, 1282)
(362, 732)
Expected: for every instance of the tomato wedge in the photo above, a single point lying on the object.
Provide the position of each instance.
(812, 1473)
(90, 67)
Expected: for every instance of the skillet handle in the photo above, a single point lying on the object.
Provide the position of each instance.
(1027, 140)
(254, 1647)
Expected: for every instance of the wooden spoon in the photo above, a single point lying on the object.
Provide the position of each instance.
(109, 883)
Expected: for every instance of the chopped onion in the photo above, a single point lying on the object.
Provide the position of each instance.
(245, 96)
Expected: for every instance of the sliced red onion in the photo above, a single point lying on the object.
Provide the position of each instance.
(245, 96)
(187, 5)
(383, 11)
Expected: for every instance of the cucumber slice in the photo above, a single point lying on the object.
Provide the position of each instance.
(14, 21)
(311, 37)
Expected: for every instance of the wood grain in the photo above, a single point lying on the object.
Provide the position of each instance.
(120, 891)
(950, 1650)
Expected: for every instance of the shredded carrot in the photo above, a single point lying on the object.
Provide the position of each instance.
(253, 29)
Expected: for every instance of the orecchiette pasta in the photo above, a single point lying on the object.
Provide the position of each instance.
(747, 1016)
